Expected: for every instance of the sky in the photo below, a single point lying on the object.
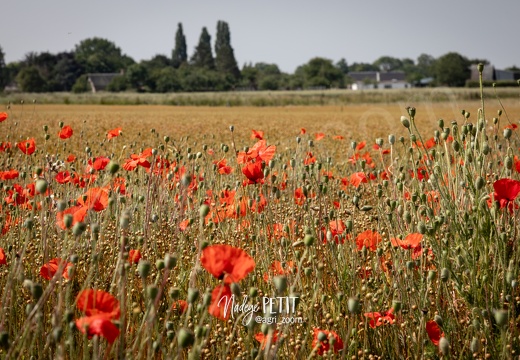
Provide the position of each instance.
(285, 32)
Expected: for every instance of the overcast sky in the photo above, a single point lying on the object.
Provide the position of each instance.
(285, 32)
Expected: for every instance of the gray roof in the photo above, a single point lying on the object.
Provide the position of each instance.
(100, 81)
(392, 76)
(363, 75)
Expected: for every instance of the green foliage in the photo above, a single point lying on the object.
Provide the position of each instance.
(452, 69)
(180, 52)
(320, 73)
(388, 63)
(225, 61)
(342, 66)
(98, 55)
(137, 75)
(203, 55)
(81, 85)
(29, 79)
(168, 80)
(119, 83)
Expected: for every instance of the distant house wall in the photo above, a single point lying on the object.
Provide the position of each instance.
(365, 80)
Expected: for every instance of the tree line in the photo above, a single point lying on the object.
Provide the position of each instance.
(209, 69)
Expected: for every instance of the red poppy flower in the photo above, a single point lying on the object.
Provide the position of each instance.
(368, 239)
(98, 302)
(62, 177)
(434, 332)
(9, 175)
(220, 306)
(276, 268)
(47, 271)
(71, 158)
(114, 133)
(319, 136)
(257, 134)
(309, 159)
(338, 137)
(511, 126)
(180, 306)
(378, 319)
(134, 256)
(3, 116)
(138, 160)
(337, 228)
(95, 199)
(324, 346)
(78, 215)
(65, 132)
(411, 241)
(264, 339)
(3, 259)
(222, 167)
(506, 191)
(303, 131)
(422, 173)
(27, 147)
(361, 145)
(259, 150)
(99, 163)
(98, 325)
(357, 178)
(227, 262)
(254, 172)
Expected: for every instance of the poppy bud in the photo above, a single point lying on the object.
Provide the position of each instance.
(152, 291)
(354, 306)
(421, 228)
(444, 346)
(79, 228)
(113, 167)
(280, 282)
(159, 264)
(235, 289)
(41, 186)
(445, 275)
(231, 128)
(501, 317)
(391, 139)
(45, 128)
(509, 162)
(185, 337)
(36, 291)
(507, 133)
(253, 292)
(308, 240)
(193, 295)
(396, 305)
(143, 268)
(170, 261)
(60, 124)
(174, 293)
(405, 122)
(438, 320)
(322, 336)
(475, 345)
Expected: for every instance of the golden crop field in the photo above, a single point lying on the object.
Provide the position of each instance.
(356, 122)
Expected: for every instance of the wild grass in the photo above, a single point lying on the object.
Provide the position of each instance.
(335, 97)
(432, 179)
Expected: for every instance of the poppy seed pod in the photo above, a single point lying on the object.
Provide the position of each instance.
(41, 186)
(501, 317)
(444, 346)
(354, 306)
(79, 228)
(185, 337)
(193, 295)
(405, 122)
(152, 291)
(143, 268)
(280, 282)
(113, 167)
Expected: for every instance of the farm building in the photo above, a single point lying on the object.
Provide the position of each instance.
(491, 74)
(99, 82)
(363, 80)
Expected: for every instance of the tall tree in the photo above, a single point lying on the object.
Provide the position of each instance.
(98, 55)
(203, 55)
(452, 69)
(225, 61)
(3, 71)
(180, 52)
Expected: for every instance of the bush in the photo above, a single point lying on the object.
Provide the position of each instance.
(119, 83)
(81, 85)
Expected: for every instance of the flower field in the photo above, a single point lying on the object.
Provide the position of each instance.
(356, 232)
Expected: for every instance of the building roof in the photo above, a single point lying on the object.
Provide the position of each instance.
(392, 76)
(363, 75)
(100, 81)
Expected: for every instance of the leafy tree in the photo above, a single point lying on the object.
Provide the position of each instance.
(225, 61)
(64, 73)
(168, 80)
(81, 85)
(355, 67)
(180, 52)
(342, 66)
(388, 63)
(98, 55)
(452, 69)
(119, 83)
(137, 76)
(320, 72)
(249, 77)
(203, 55)
(4, 80)
(29, 79)
(425, 65)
